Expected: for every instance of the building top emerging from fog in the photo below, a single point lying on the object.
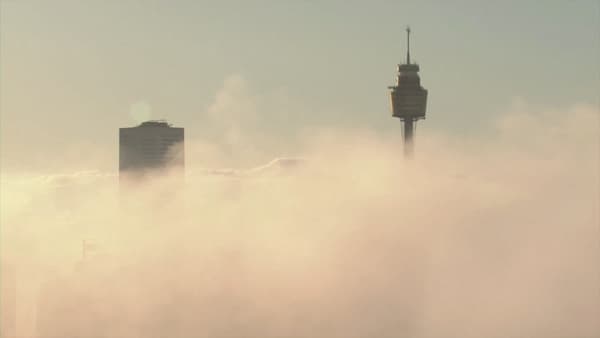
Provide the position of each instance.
(152, 145)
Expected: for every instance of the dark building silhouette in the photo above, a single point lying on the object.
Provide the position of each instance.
(409, 98)
(152, 146)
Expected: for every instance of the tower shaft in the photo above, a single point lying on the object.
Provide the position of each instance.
(409, 128)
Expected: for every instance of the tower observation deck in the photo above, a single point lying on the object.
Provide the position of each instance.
(409, 98)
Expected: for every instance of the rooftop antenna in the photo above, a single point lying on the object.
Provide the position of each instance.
(408, 45)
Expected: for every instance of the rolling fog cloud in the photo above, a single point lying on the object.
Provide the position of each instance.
(493, 237)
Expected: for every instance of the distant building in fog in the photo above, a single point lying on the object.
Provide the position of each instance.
(8, 300)
(151, 146)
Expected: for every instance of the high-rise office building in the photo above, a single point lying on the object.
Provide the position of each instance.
(149, 147)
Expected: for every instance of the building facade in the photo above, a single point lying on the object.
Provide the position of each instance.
(150, 147)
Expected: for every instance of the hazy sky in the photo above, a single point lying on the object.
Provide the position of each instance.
(70, 70)
(496, 219)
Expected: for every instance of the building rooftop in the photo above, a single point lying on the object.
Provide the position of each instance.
(155, 123)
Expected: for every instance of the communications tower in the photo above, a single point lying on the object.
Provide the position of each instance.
(409, 99)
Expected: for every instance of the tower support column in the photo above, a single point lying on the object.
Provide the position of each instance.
(409, 128)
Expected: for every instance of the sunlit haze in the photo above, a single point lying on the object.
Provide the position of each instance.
(290, 209)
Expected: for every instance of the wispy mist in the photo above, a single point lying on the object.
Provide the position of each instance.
(488, 237)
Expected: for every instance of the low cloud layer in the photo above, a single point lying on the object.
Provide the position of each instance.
(489, 237)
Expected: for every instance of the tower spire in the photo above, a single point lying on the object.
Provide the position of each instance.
(408, 45)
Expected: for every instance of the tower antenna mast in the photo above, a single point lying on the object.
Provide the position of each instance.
(408, 45)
